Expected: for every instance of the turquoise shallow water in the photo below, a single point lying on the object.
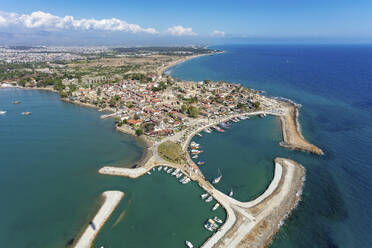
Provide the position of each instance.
(237, 154)
(333, 84)
(51, 188)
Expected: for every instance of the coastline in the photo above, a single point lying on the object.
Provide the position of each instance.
(166, 67)
(236, 214)
(292, 137)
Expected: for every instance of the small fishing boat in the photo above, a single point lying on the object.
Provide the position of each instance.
(148, 173)
(195, 156)
(203, 196)
(183, 179)
(231, 192)
(187, 180)
(179, 175)
(16, 102)
(2, 112)
(209, 199)
(199, 134)
(159, 168)
(211, 225)
(169, 170)
(189, 244)
(215, 207)
(218, 220)
(175, 172)
(25, 113)
(196, 152)
(218, 178)
(207, 130)
(201, 163)
(153, 169)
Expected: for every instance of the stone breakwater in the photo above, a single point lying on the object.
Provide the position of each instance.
(112, 199)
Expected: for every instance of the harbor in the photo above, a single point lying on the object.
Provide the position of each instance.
(239, 214)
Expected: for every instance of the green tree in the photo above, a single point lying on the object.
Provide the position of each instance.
(62, 94)
(240, 106)
(193, 111)
(139, 132)
(183, 108)
(256, 105)
(112, 102)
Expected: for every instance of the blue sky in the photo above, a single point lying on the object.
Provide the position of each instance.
(338, 20)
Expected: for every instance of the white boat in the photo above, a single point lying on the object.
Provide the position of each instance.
(189, 244)
(26, 113)
(2, 112)
(203, 196)
(195, 156)
(215, 207)
(179, 175)
(209, 199)
(193, 152)
(207, 130)
(199, 134)
(218, 178)
(175, 172)
(208, 227)
(153, 169)
(169, 170)
(149, 173)
(165, 168)
(186, 181)
(211, 225)
(159, 168)
(182, 179)
(218, 220)
(231, 193)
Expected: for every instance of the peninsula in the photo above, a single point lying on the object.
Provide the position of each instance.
(166, 113)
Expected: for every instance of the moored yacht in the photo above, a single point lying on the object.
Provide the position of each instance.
(189, 244)
(218, 220)
(231, 193)
(215, 207)
(207, 130)
(211, 225)
(209, 199)
(203, 196)
(160, 167)
(218, 178)
(175, 172)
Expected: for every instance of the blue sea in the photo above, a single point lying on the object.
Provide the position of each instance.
(49, 160)
(333, 83)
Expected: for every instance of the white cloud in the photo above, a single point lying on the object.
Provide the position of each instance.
(179, 31)
(44, 20)
(218, 33)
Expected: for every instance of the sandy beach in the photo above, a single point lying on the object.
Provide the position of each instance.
(164, 68)
(292, 138)
(112, 199)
